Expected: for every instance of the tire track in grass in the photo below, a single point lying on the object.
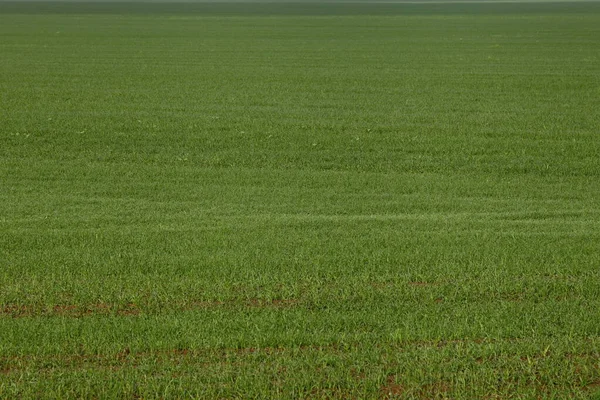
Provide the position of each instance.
(127, 358)
(131, 309)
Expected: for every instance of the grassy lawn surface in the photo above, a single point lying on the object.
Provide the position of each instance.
(251, 200)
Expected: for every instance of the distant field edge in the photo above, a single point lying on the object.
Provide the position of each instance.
(426, 7)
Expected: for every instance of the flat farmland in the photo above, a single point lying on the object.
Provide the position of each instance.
(300, 200)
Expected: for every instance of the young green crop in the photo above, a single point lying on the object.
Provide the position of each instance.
(299, 200)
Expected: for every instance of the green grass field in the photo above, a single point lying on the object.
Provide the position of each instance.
(300, 200)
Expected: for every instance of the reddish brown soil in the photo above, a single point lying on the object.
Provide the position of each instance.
(391, 389)
(419, 283)
(593, 387)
